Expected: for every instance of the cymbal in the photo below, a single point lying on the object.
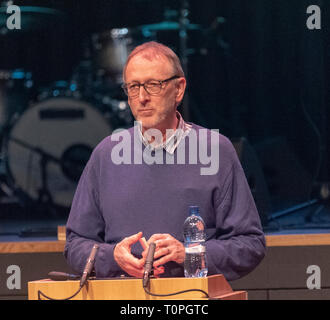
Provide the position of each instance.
(167, 26)
(32, 18)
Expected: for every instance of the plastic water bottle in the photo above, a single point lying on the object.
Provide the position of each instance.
(194, 242)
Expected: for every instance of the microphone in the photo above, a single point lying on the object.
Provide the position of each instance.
(89, 265)
(61, 276)
(148, 264)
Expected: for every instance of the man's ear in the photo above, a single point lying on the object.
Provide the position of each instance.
(181, 88)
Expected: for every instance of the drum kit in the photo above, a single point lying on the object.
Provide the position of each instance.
(46, 143)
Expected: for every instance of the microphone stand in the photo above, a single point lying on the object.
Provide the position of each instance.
(83, 279)
(44, 193)
(322, 186)
(45, 202)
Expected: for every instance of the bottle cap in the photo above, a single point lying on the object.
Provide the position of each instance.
(194, 210)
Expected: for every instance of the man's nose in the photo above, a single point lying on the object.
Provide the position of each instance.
(143, 95)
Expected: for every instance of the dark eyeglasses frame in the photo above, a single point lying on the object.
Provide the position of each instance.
(161, 82)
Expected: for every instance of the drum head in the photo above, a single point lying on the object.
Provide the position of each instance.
(63, 132)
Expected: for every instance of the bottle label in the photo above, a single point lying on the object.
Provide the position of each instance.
(195, 249)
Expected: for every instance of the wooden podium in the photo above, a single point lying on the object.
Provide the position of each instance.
(131, 289)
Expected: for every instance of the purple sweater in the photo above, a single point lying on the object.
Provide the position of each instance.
(115, 201)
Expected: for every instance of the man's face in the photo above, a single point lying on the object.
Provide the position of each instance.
(154, 111)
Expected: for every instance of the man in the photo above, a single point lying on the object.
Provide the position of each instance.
(117, 203)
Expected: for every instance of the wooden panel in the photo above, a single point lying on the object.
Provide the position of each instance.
(61, 233)
(131, 289)
(58, 246)
(218, 285)
(298, 240)
(271, 240)
(237, 295)
(32, 246)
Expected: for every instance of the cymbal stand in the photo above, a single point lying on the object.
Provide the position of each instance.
(184, 22)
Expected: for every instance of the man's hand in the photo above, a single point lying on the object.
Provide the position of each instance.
(167, 249)
(125, 259)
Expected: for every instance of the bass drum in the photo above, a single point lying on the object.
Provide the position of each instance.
(50, 144)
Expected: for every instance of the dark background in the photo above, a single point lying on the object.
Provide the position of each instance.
(260, 74)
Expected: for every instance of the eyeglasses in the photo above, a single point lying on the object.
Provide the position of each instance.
(152, 87)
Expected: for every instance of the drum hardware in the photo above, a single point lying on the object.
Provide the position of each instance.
(60, 88)
(14, 195)
(184, 25)
(172, 21)
(115, 109)
(166, 26)
(44, 196)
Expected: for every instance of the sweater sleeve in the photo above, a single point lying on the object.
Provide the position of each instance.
(238, 244)
(85, 227)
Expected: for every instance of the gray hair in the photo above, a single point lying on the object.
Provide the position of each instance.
(151, 50)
